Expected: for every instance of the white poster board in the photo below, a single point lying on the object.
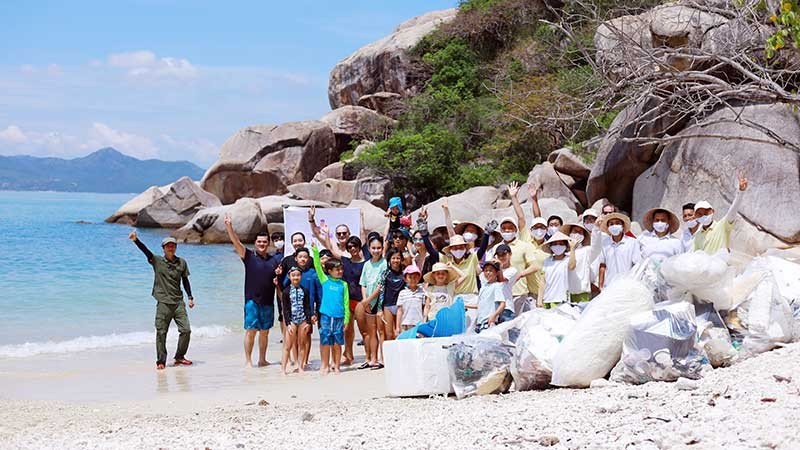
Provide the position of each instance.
(295, 218)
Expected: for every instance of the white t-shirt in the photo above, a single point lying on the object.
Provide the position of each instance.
(511, 275)
(556, 280)
(660, 248)
(580, 279)
(489, 295)
(411, 302)
(439, 297)
(620, 257)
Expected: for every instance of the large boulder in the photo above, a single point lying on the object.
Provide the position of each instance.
(374, 217)
(127, 213)
(375, 190)
(568, 163)
(468, 205)
(625, 152)
(272, 206)
(553, 185)
(356, 122)
(550, 207)
(208, 225)
(389, 104)
(384, 65)
(264, 159)
(177, 206)
(705, 168)
(331, 191)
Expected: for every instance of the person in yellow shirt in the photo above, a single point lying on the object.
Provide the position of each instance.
(714, 235)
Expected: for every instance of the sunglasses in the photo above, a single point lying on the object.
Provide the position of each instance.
(342, 233)
(418, 241)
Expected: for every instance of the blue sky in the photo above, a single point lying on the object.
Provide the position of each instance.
(172, 79)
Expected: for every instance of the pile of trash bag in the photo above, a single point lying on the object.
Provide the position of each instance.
(479, 367)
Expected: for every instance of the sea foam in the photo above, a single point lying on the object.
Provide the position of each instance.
(83, 343)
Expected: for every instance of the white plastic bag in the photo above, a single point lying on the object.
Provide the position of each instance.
(785, 272)
(694, 270)
(531, 366)
(767, 318)
(594, 345)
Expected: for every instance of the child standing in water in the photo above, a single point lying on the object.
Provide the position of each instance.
(298, 317)
(334, 311)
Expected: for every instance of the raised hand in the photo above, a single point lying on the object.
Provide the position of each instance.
(572, 244)
(132, 236)
(534, 191)
(324, 229)
(742, 181)
(491, 226)
(423, 213)
(311, 212)
(513, 189)
(445, 205)
(228, 220)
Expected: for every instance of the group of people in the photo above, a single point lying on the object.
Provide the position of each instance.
(399, 281)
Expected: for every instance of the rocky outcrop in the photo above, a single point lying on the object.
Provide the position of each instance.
(264, 159)
(374, 217)
(357, 122)
(468, 205)
(389, 104)
(177, 206)
(384, 65)
(331, 191)
(272, 206)
(554, 185)
(705, 169)
(375, 190)
(127, 213)
(208, 225)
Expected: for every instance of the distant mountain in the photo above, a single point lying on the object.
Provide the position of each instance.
(105, 170)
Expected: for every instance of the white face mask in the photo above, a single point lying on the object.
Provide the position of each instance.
(660, 226)
(539, 233)
(589, 226)
(278, 244)
(692, 223)
(470, 237)
(558, 250)
(508, 236)
(577, 237)
(705, 220)
(615, 230)
(552, 230)
(458, 254)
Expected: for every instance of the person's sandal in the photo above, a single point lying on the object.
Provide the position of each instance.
(378, 366)
(183, 362)
(364, 366)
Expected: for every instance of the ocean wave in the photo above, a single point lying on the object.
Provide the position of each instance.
(83, 343)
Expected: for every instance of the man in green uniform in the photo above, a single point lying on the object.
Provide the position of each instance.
(169, 272)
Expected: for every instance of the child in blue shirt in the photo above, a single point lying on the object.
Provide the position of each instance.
(334, 310)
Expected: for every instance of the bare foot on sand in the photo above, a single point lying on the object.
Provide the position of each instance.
(325, 370)
(336, 369)
(248, 364)
(263, 363)
(347, 361)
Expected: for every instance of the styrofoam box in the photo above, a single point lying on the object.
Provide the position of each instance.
(418, 367)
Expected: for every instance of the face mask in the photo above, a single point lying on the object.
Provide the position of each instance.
(705, 220)
(508, 236)
(458, 254)
(660, 226)
(589, 226)
(615, 230)
(278, 244)
(577, 237)
(539, 233)
(692, 223)
(558, 250)
(552, 230)
(470, 237)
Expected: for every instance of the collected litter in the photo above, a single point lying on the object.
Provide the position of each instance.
(479, 367)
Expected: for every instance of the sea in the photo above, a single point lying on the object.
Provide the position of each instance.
(71, 283)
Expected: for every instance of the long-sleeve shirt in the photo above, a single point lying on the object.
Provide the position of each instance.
(335, 293)
(468, 264)
(310, 281)
(167, 276)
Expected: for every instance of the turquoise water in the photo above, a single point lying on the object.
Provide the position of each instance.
(69, 286)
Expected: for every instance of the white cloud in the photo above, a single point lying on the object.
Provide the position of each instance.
(199, 150)
(145, 64)
(54, 70)
(102, 135)
(13, 135)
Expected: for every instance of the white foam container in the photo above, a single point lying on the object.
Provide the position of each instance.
(418, 367)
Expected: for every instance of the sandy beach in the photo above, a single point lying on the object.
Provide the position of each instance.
(220, 404)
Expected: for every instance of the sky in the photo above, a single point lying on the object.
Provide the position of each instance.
(173, 79)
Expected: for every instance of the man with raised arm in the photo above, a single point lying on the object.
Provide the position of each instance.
(714, 235)
(259, 292)
(169, 272)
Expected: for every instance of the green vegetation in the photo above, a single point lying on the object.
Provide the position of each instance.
(787, 22)
(493, 72)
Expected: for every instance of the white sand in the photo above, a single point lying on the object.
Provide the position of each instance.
(726, 410)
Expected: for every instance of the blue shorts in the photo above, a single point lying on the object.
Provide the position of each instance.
(258, 317)
(331, 330)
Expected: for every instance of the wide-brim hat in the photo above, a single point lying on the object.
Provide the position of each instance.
(441, 267)
(626, 222)
(559, 236)
(674, 222)
(455, 240)
(459, 228)
(587, 235)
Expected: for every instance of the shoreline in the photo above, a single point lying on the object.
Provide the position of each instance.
(743, 406)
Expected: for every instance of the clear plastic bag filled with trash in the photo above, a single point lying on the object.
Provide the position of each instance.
(479, 367)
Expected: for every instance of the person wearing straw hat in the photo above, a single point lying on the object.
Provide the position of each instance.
(442, 281)
(620, 253)
(580, 278)
(555, 287)
(714, 235)
(658, 241)
(493, 305)
(456, 253)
